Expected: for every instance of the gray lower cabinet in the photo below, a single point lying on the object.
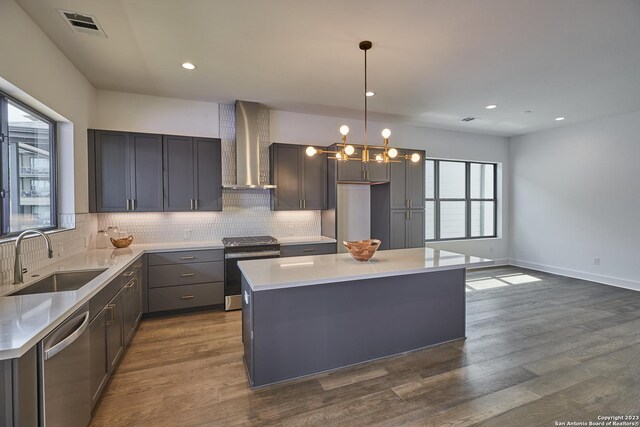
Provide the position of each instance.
(125, 172)
(311, 249)
(407, 229)
(301, 181)
(19, 390)
(115, 331)
(192, 174)
(182, 280)
(99, 361)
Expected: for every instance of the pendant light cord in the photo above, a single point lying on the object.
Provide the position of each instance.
(365, 102)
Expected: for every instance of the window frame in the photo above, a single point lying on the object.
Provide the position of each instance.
(436, 199)
(5, 213)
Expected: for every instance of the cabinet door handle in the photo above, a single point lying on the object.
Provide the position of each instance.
(309, 250)
(187, 274)
(191, 204)
(130, 284)
(304, 203)
(133, 204)
(187, 297)
(137, 266)
(128, 204)
(128, 274)
(111, 308)
(188, 257)
(195, 201)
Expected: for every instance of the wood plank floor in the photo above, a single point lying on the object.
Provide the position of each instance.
(540, 348)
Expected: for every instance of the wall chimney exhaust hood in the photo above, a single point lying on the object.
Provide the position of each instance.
(247, 148)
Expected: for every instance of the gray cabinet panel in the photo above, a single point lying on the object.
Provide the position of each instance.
(183, 257)
(351, 170)
(398, 186)
(314, 183)
(376, 172)
(115, 330)
(179, 297)
(99, 355)
(301, 250)
(415, 183)
(185, 274)
(286, 171)
(146, 172)
(178, 173)
(398, 234)
(112, 171)
(208, 174)
(415, 229)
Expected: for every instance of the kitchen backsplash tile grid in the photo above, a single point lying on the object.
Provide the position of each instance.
(66, 243)
(246, 213)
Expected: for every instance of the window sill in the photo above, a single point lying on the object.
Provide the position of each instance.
(475, 239)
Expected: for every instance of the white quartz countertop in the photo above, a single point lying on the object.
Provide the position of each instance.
(26, 319)
(278, 273)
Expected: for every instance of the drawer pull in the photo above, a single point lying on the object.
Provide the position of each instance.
(128, 274)
(187, 274)
(137, 266)
(187, 297)
(187, 257)
(309, 250)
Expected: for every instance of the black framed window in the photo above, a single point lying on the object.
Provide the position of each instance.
(27, 168)
(461, 200)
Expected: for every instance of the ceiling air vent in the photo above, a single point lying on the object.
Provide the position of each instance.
(468, 119)
(82, 23)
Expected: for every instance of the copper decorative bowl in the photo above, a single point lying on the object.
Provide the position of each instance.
(122, 243)
(362, 250)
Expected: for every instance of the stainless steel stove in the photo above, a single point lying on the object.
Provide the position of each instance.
(243, 249)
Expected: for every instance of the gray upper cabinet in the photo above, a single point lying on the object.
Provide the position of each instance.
(178, 173)
(407, 184)
(146, 172)
(286, 171)
(301, 181)
(125, 172)
(355, 171)
(109, 160)
(192, 174)
(208, 174)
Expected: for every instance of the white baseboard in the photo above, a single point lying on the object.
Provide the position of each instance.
(496, 263)
(606, 280)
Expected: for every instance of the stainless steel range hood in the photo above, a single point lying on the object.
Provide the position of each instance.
(247, 148)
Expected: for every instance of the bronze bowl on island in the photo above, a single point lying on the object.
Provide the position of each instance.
(362, 250)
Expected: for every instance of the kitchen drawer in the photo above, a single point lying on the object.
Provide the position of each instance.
(184, 257)
(301, 250)
(177, 297)
(185, 274)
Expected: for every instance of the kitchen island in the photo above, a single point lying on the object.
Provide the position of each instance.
(306, 315)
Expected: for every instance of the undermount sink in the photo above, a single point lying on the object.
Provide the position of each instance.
(60, 282)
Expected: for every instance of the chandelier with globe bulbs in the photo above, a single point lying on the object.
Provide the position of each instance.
(344, 151)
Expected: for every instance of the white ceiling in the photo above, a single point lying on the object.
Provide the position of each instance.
(433, 61)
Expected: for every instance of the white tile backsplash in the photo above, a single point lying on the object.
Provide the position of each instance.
(245, 213)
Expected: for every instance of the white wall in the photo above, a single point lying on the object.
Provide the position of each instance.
(575, 197)
(35, 71)
(154, 114)
(298, 128)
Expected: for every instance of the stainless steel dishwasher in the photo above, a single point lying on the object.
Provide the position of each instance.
(65, 393)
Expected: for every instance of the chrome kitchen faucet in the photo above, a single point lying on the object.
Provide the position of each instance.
(17, 266)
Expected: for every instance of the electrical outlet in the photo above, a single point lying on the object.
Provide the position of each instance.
(596, 261)
(59, 251)
(491, 249)
(186, 234)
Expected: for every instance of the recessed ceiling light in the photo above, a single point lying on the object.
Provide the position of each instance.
(527, 112)
(188, 66)
(370, 93)
(559, 119)
(490, 106)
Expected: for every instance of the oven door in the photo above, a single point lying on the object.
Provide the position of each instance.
(232, 275)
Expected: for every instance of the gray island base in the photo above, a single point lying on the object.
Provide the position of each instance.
(291, 332)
